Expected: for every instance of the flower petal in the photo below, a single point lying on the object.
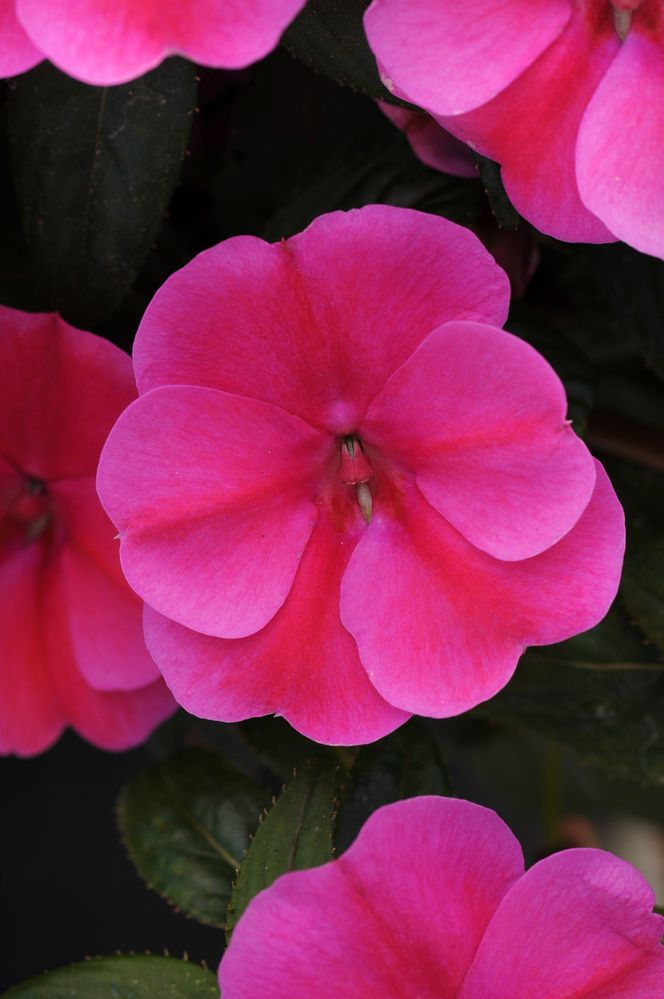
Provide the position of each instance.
(469, 616)
(451, 58)
(619, 153)
(31, 718)
(17, 53)
(576, 924)
(316, 324)
(531, 128)
(105, 617)
(400, 913)
(213, 495)
(479, 417)
(113, 41)
(303, 665)
(430, 142)
(82, 378)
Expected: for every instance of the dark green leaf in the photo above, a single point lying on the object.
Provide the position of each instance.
(404, 765)
(131, 977)
(601, 693)
(95, 169)
(329, 36)
(187, 822)
(295, 834)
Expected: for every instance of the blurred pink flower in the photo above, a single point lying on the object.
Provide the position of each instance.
(345, 493)
(568, 95)
(113, 41)
(71, 647)
(17, 53)
(432, 901)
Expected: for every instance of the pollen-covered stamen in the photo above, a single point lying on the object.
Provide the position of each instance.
(355, 470)
(622, 16)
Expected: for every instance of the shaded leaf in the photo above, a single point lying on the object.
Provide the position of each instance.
(95, 169)
(406, 764)
(504, 212)
(329, 36)
(187, 822)
(132, 977)
(295, 834)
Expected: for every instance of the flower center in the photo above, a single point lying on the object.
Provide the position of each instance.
(356, 471)
(32, 509)
(622, 16)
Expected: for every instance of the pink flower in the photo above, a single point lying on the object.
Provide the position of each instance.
(17, 53)
(114, 41)
(71, 648)
(346, 494)
(566, 94)
(432, 901)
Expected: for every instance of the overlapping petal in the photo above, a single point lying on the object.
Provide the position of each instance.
(400, 913)
(440, 625)
(430, 142)
(55, 415)
(113, 41)
(479, 417)
(213, 495)
(579, 923)
(17, 53)
(451, 58)
(302, 665)
(317, 324)
(531, 128)
(619, 150)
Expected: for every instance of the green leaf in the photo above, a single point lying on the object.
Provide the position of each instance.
(131, 977)
(187, 822)
(406, 764)
(329, 36)
(601, 693)
(295, 834)
(95, 169)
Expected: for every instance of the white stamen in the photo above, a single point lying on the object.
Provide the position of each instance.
(622, 20)
(365, 500)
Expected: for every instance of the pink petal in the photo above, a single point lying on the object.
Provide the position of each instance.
(619, 153)
(469, 616)
(400, 914)
(317, 324)
(213, 495)
(31, 718)
(479, 417)
(105, 617)
(17, 53)
(575, 925)
(303, 665)
(430, 142)
(450, 58)
(112, 41)
(81, 379)
(532, 127)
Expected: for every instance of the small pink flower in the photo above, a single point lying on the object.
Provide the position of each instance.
(17, 53)
(568, 95)
(432, 901)
(435, 147)
(345, 494)
(71, 648)
(114, 41)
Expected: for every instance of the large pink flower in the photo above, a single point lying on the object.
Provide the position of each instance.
(71, 647)
(112, 41)
(346, 494)
(568, 95)
(432, 901)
